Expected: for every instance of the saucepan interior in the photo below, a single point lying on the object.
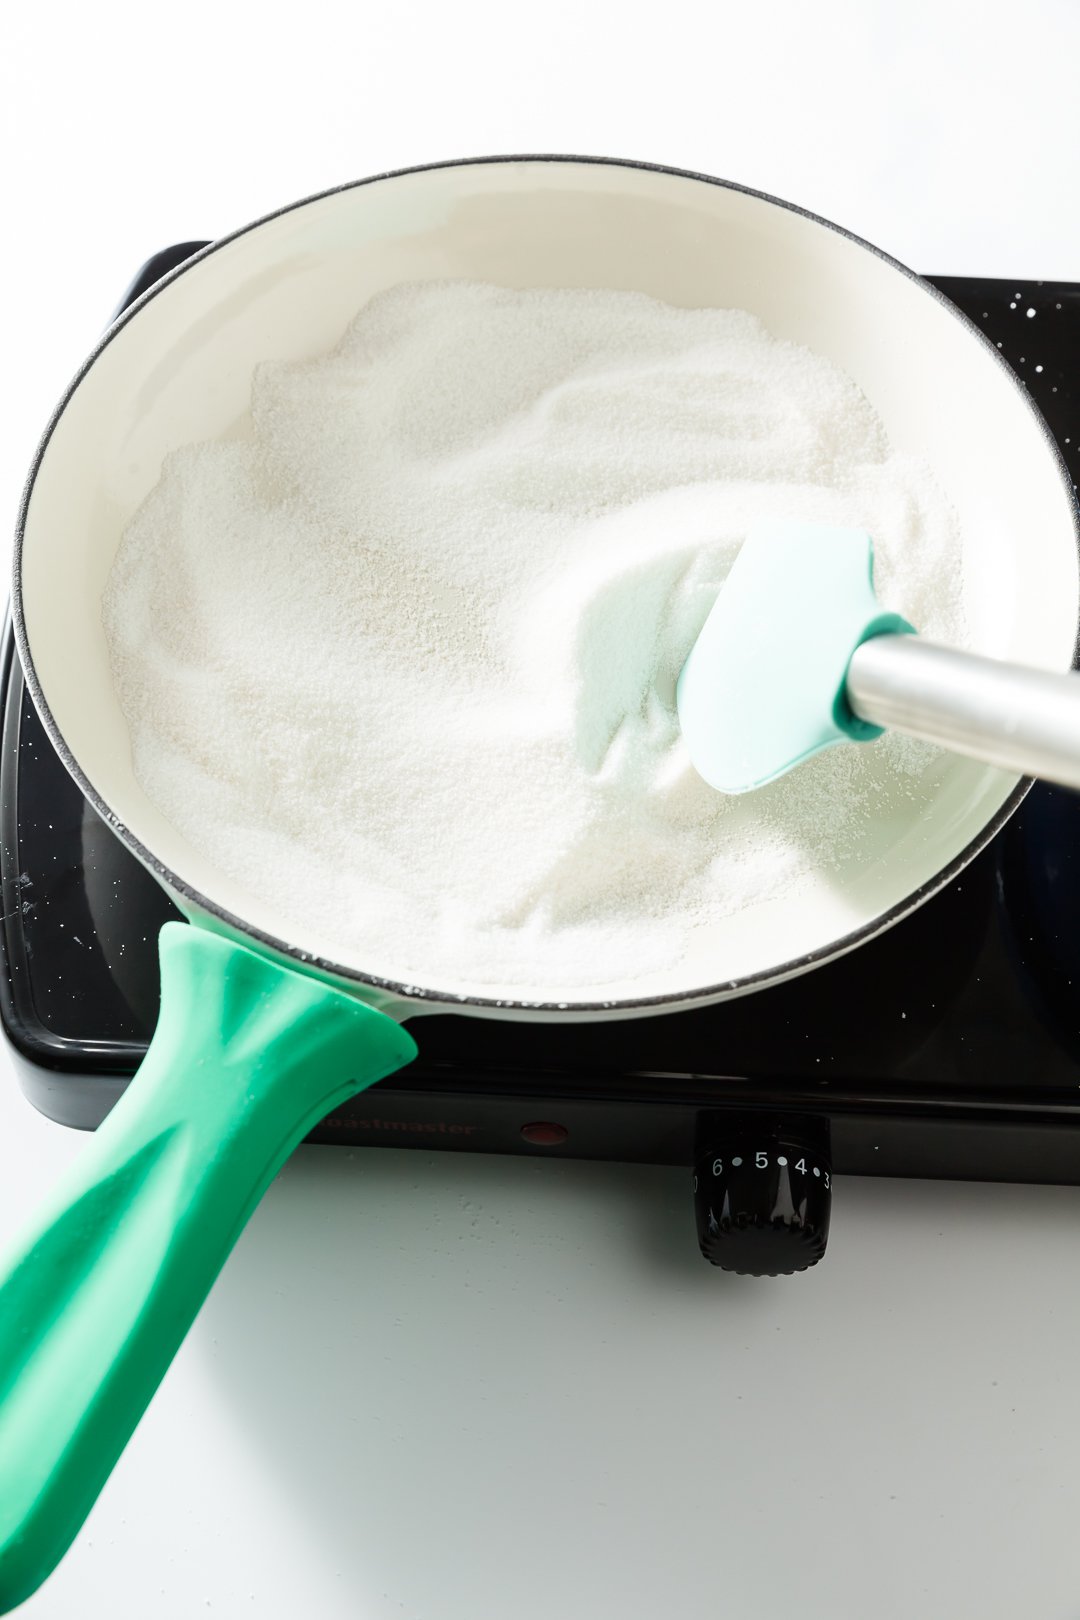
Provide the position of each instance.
(178, 368)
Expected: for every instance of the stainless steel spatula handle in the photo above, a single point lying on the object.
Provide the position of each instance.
(1025, 720)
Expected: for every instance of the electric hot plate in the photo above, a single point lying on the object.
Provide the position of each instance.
(947, 1047)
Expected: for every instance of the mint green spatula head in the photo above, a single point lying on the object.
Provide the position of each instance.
(763, 687)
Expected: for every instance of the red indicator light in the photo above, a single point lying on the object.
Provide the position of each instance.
(543, 1134)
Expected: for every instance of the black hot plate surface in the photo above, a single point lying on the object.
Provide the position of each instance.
(963, 1016)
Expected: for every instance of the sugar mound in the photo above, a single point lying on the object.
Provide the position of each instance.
(404, 659)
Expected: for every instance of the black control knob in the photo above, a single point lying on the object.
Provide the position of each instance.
(762, 1197)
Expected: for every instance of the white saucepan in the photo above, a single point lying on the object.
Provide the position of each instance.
(263, 1031)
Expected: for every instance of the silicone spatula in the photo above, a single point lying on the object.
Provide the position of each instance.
(797, 655)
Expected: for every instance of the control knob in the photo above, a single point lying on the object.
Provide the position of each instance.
(761, 1198)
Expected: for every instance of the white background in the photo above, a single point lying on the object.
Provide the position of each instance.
(447, 1388)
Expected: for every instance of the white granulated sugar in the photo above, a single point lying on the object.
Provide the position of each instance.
(404, 660)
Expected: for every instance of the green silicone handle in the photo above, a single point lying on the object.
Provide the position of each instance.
(246, 1058)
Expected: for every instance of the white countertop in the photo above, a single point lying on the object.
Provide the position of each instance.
(445, 1387)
